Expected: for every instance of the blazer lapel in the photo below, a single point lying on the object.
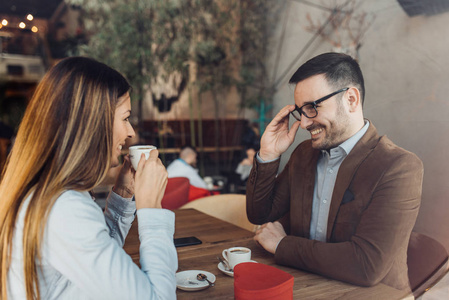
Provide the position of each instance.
(310, 168)
(347, 170)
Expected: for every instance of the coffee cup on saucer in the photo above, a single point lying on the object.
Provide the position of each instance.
(209, 182)
(236, 255)
(135, 152)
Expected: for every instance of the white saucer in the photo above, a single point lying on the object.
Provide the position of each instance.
(222, 268)
(186, 280)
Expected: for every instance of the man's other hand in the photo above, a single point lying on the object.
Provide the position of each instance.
(269, 235)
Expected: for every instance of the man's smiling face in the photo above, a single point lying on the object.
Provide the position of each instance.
(331, 126)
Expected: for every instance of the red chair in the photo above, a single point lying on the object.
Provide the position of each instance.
(176, 193)
(196, 193)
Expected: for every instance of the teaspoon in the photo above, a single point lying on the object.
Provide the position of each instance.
(225, 264)
(202, 277)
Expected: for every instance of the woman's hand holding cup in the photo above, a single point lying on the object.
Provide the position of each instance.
(150, 181)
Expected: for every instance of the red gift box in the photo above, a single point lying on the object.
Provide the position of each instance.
(260, 281)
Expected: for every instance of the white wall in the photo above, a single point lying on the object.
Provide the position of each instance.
(405, 61)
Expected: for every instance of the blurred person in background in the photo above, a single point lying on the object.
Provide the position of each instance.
(244, 167)
(185, 166)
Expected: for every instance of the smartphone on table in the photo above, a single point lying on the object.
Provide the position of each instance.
(187, 241)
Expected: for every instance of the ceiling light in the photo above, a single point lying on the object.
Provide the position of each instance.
(22, 25)
(30, 17)
(4, 22)
(34, 29)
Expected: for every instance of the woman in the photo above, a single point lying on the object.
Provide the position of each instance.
(55, 241)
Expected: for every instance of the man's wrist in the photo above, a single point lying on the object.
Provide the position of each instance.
(259, 159)
(277, 245)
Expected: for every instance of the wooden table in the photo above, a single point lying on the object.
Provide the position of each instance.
(217, 235)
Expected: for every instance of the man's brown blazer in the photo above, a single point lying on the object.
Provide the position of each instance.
(374, 206)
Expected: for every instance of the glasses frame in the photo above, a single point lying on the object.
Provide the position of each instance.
(314, 104)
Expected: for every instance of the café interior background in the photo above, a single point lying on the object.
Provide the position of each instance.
(403, 51)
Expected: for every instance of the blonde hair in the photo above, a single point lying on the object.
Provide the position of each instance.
(64, 143)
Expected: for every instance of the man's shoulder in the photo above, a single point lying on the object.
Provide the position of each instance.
(382, 148)
(174, 164)
(180, 169)
(388, 148)
(388, 155)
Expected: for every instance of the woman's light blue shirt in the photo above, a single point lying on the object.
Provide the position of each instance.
(82, 254)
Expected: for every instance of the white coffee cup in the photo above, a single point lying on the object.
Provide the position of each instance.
(209, 182)
(236, 255)
(135, 152)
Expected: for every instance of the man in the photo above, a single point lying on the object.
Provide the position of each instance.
(350, 197)
(184, 166)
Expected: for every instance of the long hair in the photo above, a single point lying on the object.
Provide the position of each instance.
(64, 143)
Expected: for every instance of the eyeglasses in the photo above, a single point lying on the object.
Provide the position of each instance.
(309, 110)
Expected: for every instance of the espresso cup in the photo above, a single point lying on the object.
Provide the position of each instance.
(236, 255)
(209, 182)
(135, 152)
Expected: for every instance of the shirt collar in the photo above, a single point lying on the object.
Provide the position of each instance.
(183, 161)
(350, 143)
(347, 145)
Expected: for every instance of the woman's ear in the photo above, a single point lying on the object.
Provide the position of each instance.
(354, 100)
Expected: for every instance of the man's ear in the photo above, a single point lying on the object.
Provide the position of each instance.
(353, 98)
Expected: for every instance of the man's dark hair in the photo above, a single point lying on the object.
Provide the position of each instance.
(340, 70)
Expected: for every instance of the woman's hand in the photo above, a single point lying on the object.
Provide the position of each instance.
(124, 184)
(150, 181)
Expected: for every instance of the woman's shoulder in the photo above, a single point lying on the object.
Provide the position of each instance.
(72, 206)
(74, 194)
(74, 219)
(72, 199)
